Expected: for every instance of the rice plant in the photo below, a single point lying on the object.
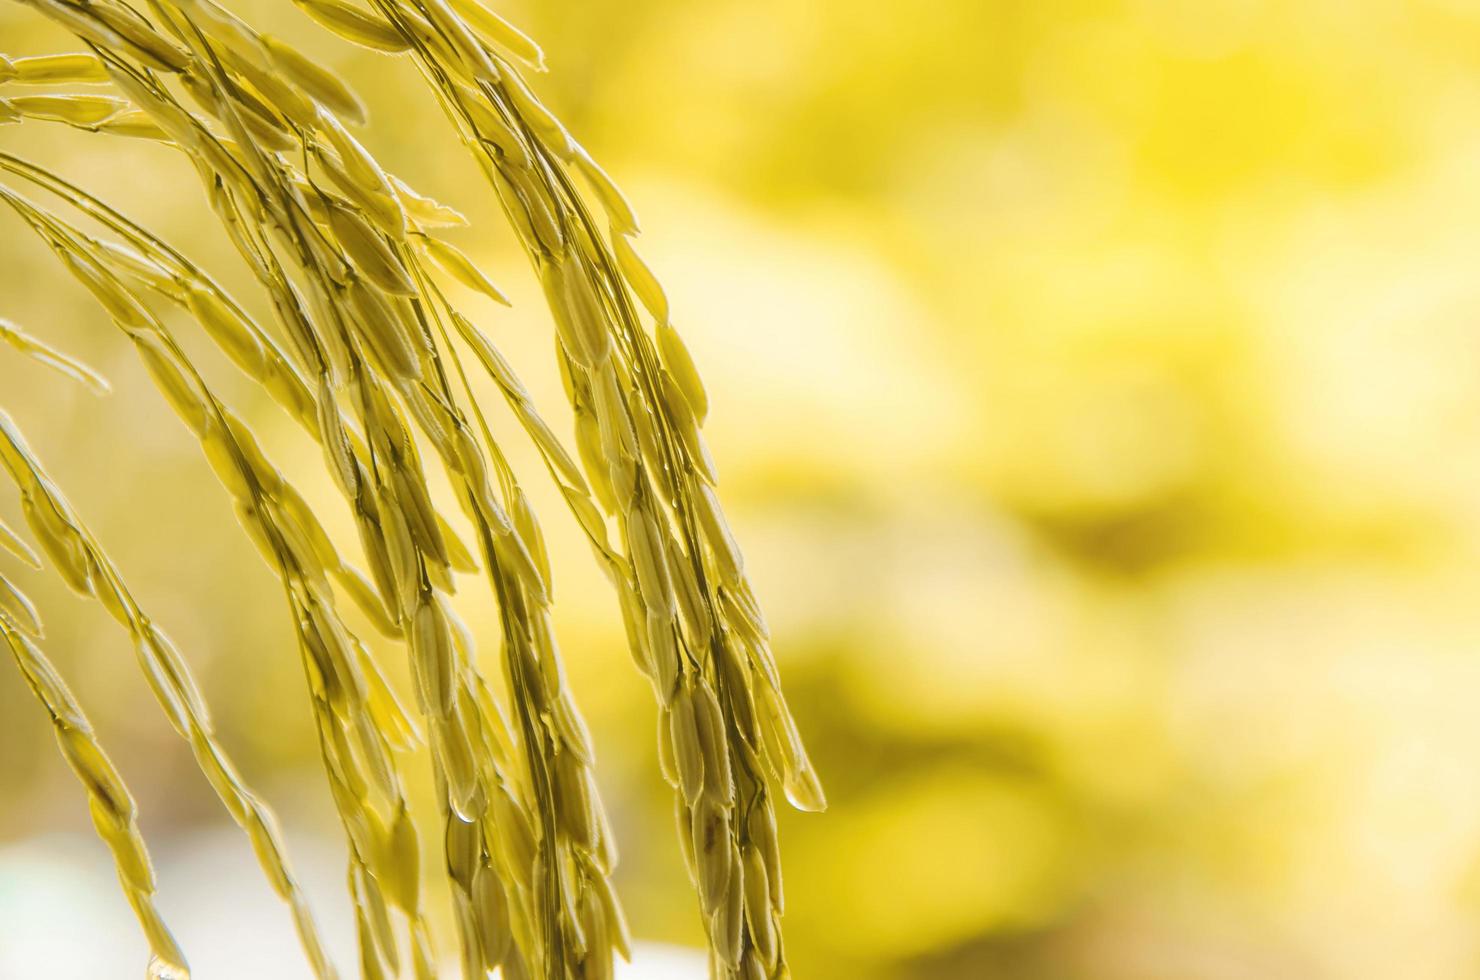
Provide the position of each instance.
(366, 352)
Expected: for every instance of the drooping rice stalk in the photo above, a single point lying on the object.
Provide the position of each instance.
(82, 563)
(113, 810)
(360, 352)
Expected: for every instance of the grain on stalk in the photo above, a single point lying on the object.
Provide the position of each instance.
(114, 813)
(164, 668)
(587, 279)
(340, 247)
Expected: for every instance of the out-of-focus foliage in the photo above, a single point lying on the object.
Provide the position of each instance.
(1097, 393)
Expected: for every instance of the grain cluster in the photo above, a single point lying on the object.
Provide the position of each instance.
(368, 354)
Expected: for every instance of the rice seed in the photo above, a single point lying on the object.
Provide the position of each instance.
(219, 774)
(255, 65)
(490, 127)
(663, 648)
(578, 317)
(141, 267)
(709, 731)
(230, 331)
(179, 125)
(60, 543)
(164, 686)
(460, 267)
(528, 529)
(354, 24)
(182, 391)
(500, 32)
(680, 366)
(266, 840)
(493, 362)
(362, 169)
(758, 907)
(45, 683)
(711, 831)
(681, 415)
(369, 252)
(381, 326)
(120, 303)
(727, 923)
(530, 215)
(540, 119)
(268, 130)
(122, 838)
(573, 801)
(667, 762)
(74, 109)
(233, 33)
(58, 69)
(133, 122)
(617, 437)
(515, 840)
(685, 820)
(688, 749)
(325, 87)
(336, 441)
(645, 538)
(403, 862)
(472, 54)
(431, 645)
(640, 278)
(377, 916)
(761, 827)
(594, 925)
(692, 604)
(613, 201)
(722, 546)
(491, 912)
(803, 789)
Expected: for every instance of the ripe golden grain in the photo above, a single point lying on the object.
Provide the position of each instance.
(369, 372)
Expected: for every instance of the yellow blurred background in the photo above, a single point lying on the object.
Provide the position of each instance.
(1095, 395)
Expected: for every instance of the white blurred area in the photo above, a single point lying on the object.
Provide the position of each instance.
(62, 915)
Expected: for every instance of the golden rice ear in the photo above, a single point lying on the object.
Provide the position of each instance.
(339, 247)
(113, 811)
(169, 679)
